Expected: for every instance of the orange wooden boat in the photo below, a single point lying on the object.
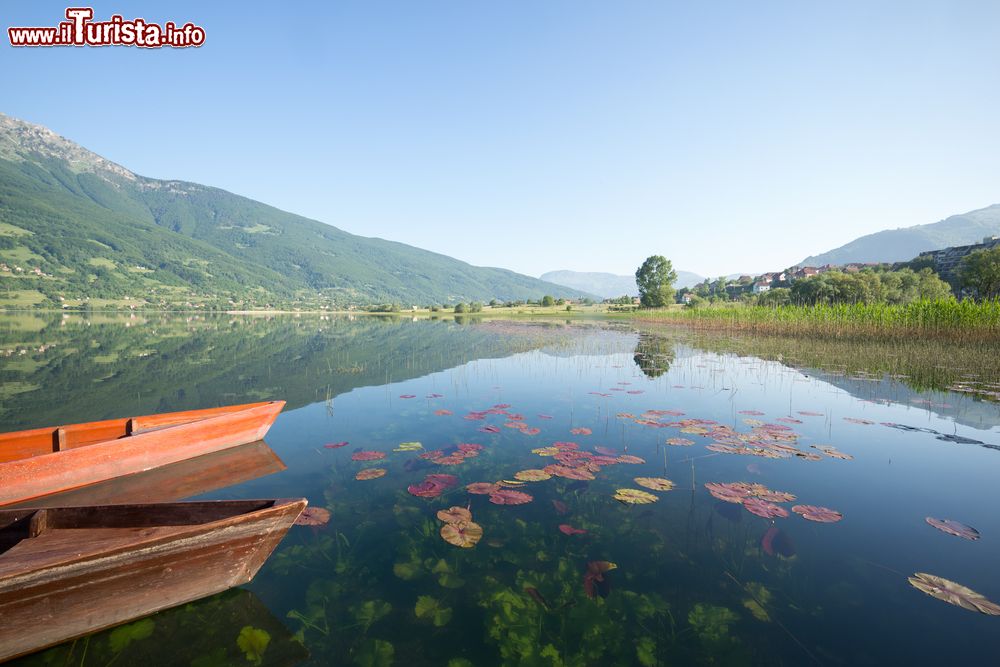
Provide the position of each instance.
(44, 461)
(66, 572)
(172, 482)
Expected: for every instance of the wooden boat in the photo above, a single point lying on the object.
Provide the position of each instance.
(176, 481)
(70, 571)
(191, 631)
(43, 461)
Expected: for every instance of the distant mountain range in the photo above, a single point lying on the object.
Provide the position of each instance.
(899, 245)
(78, 225)
(609, 285)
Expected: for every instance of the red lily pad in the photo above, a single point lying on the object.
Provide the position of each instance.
(367, 456)
(443, 413)
(510, 497)
(818, 514)
(313, 516)
(955, 528)
(560, 507)
(407, 396)
(628, 458)
(336, 445)
(482, 488)
(764, 509)
(680, 442)
(370, 473)
(580, 430)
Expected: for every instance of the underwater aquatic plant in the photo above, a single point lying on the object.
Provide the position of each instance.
(954, 593)
(567, 529)
(955, 528)
(776, 542)
(594, 580)
(711, 623)
(433, 610)
(253, 642)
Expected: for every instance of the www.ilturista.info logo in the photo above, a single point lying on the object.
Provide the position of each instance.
(81, 30)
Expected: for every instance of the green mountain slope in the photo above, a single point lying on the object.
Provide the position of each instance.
(900, 245)
(94, 229)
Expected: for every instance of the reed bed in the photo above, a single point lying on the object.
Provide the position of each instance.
(959, 321)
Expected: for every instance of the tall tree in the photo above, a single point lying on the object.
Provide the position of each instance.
(655, 279)
(980, 270)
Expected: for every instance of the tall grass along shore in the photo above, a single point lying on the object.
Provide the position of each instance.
(963, 321)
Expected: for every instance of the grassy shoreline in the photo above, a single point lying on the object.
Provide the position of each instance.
(946, 320)
(958, 321)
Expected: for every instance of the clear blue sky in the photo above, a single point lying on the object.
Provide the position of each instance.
(728, 136)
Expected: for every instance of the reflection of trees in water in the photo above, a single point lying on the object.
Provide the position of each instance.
(113, 366)
(653, 354)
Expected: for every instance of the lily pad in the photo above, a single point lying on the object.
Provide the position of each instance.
(634, 497)
(482, 488)
(409, 447)
(580, 430)
(955, 528)
(954, 593)
(764, 509)
(313, 516)
(454, 515)
(336, 445)
(532, 475)
(370, 473)
(819, 514)
(510, 497)
(680, 442)
(628, 458)
(463, 534)
(655, 483)
(367, 456)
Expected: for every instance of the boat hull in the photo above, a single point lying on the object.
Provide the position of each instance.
(134, 446)
(49, 602)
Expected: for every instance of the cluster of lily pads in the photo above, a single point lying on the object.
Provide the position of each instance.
(762, 501)
(774, 440)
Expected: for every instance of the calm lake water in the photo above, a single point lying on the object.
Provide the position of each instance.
(883, 435)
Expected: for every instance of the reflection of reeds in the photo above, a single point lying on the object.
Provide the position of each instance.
(962, 321)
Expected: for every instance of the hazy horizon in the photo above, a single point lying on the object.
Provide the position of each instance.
(569, 136)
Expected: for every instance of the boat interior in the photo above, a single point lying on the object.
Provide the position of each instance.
(73, 531)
